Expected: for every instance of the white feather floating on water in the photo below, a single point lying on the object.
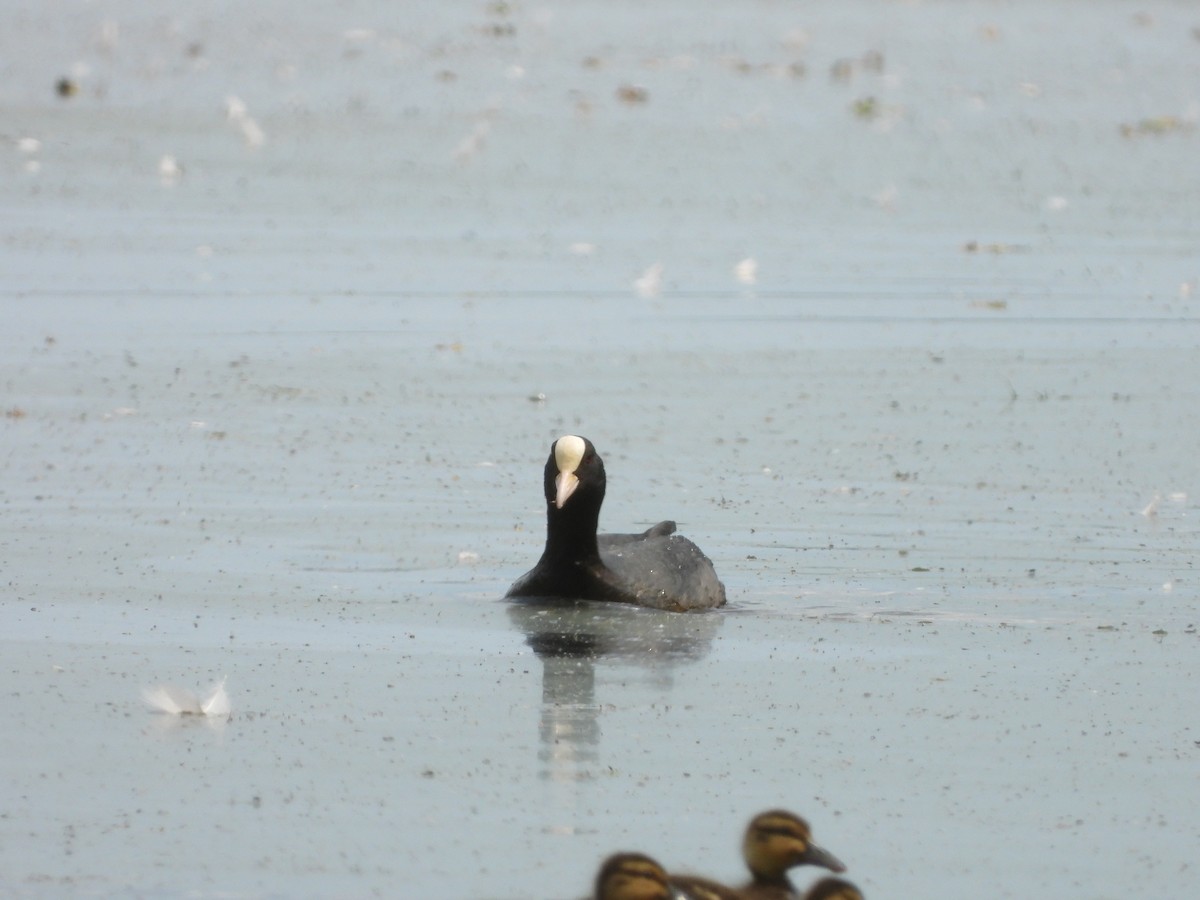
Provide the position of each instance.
(176, 701)
(650, 284)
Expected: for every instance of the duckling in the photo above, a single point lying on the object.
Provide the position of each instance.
(833, 889)
(632, 876)
(775, 841)
(703, 889)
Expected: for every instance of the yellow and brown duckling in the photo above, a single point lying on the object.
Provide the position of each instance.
(775, 841)
(833, 889)
(632, 876)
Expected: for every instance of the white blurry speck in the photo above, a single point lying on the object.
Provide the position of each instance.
(468, 556)
(197, 424)
(1168, 586)
(1177, 496)
(469, 146)
(650, 283)
(177, 701)
(252, 134)
(1055, 203)
(234, 108)
(1029, 89)
(169, 170)
(29, 145)
(885, 198)
(359, 34)
(1150, 510)
(204, 251)
(237, 113)
(33, 166)
(515, 72)
(766, 470)
(746, 271)
(582, 248)
(795, 40)
(108, 34)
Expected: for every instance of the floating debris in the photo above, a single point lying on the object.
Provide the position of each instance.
(469, 146)
(169, 170)
(177, 701)
(1156, 125)
(845, 69)
(795, 40)
(66, 87)
(995, 247)
(650, 284)
(885, 198)
(237, 113)
(632, 94)
(866, 108)
(872, 61)
(842, 70)
(746, 272)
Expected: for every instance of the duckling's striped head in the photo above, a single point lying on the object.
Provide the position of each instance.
(777, 840)
(632, 876)
(833, 889)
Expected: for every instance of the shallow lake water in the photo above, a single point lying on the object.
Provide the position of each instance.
(294, 306)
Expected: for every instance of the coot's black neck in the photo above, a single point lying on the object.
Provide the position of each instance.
(571, 531)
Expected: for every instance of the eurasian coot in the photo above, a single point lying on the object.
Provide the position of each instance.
(656, 568)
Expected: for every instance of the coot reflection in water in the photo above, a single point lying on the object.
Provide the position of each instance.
(575, 638)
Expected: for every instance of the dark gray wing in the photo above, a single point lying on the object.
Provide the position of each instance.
(611, 541)
(664, 571)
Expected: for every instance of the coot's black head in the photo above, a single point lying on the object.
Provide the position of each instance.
(574, 474)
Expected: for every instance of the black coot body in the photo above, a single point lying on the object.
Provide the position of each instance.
(655, 568)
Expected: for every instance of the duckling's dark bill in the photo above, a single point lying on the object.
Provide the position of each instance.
(819, 856)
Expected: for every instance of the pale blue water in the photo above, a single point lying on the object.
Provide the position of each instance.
(282, 419)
